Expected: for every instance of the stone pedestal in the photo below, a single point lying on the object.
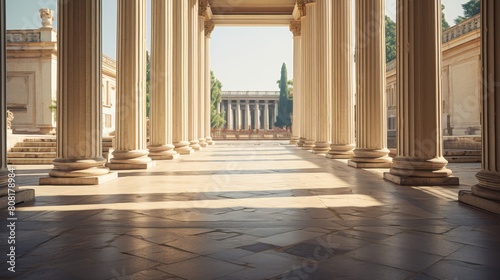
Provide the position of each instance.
(486, 194)
(180, 68)
(371, 121)
(296, 28)
(420, 158)
(79, 96)
(342, 103)
(130, 151)
(160, 146)
(323, 68)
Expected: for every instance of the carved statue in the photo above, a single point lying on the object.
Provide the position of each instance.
(47, 16)
(10, 118)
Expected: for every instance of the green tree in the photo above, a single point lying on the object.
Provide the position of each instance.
(285, 104)
(444, 23)
(216, 119)
(390, 39)
(470, 8)
(148, 82)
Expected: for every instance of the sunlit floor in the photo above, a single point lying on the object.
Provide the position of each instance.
(252, 210)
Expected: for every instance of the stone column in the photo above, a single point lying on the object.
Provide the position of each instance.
(310, 72)
(79, 97)
(202, 95)
(303, 74)
(193, 76)
(257, 115)
(238, 115)
(218, 108)
(420, 158)
(209, 27)
(160, 144)
(323, 53)
(248, 117)
(371, 121)
(130, 151)
(486, 194)
(230, 124)
(275, 103)
(3, 105)
(342, 103)
(295, 27)
(180, 72)
(266, 115)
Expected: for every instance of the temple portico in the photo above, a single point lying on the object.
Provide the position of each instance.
(249, 110)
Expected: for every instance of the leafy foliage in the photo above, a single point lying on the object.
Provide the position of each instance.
(216, 119)
(470, 8)
(444, 23)
(390, 39)
(285, 104)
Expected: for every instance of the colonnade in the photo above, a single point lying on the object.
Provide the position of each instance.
(249, 114)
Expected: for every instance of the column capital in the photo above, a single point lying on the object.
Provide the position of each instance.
(296, 28)
(209, 27)
(301, 5)
(202, 8)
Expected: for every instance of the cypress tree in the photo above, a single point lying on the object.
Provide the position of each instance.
(285, 104)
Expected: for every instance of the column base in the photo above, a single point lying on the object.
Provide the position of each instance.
(341, 151)
(469, 198)
(301, 142)
(369, 164)
(336, 155)
(195, 145)
(22, 196)
(91, 180)
(321, 148)
(308, 145)
(130, 166)
(210, 142)
(294, 140)
(162, 152)
(183, 148)
(203, 142)
(165, 156)
(421, 181)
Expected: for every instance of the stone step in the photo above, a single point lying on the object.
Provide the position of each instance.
(36, 144)
(107, 144)
(30, 161)
(33, 149)
(40, 140)
(463, 159)
(461, 152)
(31, 155)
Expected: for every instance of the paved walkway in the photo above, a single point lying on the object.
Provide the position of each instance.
(252, 210)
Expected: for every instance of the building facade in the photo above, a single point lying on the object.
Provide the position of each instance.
(249, 110)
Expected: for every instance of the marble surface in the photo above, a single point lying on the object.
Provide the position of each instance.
(252, 210)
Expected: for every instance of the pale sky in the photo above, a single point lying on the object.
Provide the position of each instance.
(242, 58)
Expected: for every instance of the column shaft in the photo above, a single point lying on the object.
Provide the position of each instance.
(209, 27)
(371, 122)
(303, 77)
(193, 75)
(266, 115)
(257, 115)
(201, 74)
(238, 115)
(342, 102)
(248, 116)
(295, 26)
(3, 104)
(323, 53)
(420, 142)
(310, 73)
(79, 94)
(180, 76)
(486, 194)
(160, 144)
(230, 124)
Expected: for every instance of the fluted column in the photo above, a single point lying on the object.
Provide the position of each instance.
(371, 121)
(238, 115)
(79, 97)
(295, 27)
(248, 116)
(180, 76)
(230, 124)
(209, 27)
(160, 143)
(257, 115)
(310, 59)
(130, 151)
(193, 75)
(342, 103)
(323, 53)
(266, 115)
(303, 73)
(202, 95)
(420, 158)
(486, 194)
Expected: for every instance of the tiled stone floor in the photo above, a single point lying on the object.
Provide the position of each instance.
(252, 210)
